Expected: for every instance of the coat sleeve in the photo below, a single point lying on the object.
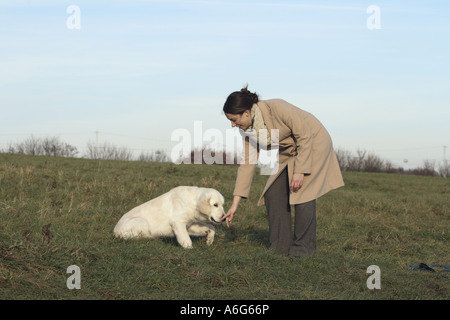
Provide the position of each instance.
(297, 121)
(246, 170)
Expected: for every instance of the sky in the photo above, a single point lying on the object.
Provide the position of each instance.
(375, 73)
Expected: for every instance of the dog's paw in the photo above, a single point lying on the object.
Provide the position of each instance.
(210, 237)
(187, 245)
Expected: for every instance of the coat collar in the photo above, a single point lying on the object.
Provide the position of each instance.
(267, 114)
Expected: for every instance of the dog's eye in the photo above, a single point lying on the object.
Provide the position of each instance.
(216, 205)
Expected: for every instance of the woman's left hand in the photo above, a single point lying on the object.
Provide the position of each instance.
(297, 182)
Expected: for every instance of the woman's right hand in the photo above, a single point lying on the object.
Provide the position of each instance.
(230, 215)
(231, 212)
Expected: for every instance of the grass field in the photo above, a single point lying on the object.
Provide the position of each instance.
(58, 212)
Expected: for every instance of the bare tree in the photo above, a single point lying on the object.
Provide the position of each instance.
(363, 161)
(107, 151)
(444, 169)
(426, 170)
(372, 163)
(54, 147)
(154, 156)
(48, 146)
(343, 157)
(31, 146)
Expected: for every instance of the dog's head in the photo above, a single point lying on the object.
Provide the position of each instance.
(210, 206)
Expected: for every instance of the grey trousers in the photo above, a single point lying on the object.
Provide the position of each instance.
(302, 241)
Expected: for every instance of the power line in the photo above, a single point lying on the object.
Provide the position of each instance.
(133, 137)
(407, 149)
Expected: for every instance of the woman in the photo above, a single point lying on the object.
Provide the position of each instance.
(307, 167)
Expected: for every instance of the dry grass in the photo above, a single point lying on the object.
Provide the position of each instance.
(58, 212)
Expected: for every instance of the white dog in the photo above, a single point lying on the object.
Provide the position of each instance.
(176, 213)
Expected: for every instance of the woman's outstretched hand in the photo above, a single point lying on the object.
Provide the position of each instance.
(231, 212)
(229, 216)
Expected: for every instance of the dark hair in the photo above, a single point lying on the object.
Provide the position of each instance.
(239, 101)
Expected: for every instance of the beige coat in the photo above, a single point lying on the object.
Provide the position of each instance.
(305, 147)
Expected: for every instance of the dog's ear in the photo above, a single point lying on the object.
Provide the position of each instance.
(204, 205)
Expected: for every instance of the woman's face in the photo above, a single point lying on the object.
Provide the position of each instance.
(242, 121)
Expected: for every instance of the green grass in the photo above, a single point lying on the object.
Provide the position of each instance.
(388, 220)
